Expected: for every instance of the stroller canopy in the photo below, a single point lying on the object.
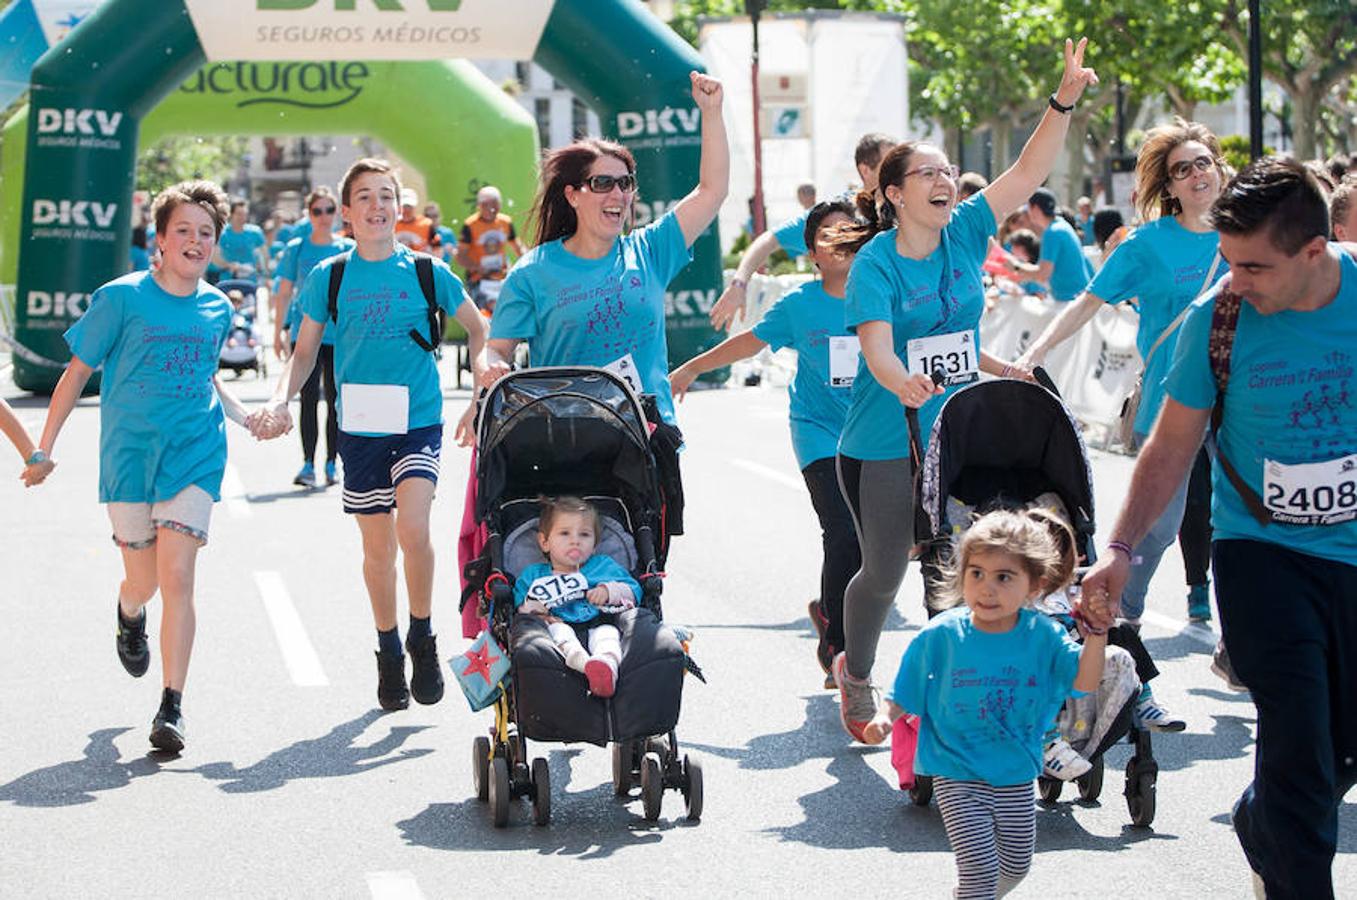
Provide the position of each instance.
(563, 430)
(1007, 441)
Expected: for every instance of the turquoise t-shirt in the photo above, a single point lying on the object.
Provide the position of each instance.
(985, 701)
(240, 246)
(161, 426)
(805, 319)
(299, 258)
(939, 294)
(1070, 270)
(575, 608)
(379, 304)
(1290, 400)
(1164, 265)
(594, 312)
(448, 238)
(791, 235)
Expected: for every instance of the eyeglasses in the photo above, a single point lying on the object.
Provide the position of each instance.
(1183, 168)
(322, 210)
(932, 173)
(602, 184)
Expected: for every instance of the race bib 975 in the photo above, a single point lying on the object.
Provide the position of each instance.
(558, 588)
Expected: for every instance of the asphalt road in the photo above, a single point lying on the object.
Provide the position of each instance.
(294, 784)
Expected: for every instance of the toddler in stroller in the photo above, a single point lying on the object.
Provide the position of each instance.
(577, 589)
(577, 432)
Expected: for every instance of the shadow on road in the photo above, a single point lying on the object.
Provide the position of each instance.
(333, 755)
(588, 824)
(76, 782)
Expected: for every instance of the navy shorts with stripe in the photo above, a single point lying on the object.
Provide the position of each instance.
(373, 466)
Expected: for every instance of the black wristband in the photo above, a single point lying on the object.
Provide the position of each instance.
(1056, 105)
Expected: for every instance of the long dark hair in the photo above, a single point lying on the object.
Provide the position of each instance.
(877, 214)
(552, 214)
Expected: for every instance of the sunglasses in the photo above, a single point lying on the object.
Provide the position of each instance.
(932, 173)
(322, 210)
(1183, 168)
(602, 184)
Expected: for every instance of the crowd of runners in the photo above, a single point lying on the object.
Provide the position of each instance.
(1247, 307)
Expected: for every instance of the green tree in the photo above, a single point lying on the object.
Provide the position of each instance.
(174, 159)
(1309, 47)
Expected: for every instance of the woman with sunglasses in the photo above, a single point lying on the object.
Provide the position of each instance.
(299, 257)
(1166, 263)
(587, 294)
(914, 298)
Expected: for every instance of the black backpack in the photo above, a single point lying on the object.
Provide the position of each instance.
(424, 272)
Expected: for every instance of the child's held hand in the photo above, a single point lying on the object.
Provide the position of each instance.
(533, 608)
(37, 473)
(598, 595)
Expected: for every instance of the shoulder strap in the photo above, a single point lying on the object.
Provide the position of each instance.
(336, 279)
(424, 272)
(1220, 345)
(1173, 326)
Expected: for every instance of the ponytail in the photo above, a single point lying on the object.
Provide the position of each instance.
(876, 211)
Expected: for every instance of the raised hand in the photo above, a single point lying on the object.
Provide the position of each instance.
(728, 307)
(1076, 76)
(707, 92)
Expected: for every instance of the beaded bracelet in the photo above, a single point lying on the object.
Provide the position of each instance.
(1124, 547)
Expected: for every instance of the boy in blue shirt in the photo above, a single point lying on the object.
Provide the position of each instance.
(578, 589)
(390, 409)
(162, 438)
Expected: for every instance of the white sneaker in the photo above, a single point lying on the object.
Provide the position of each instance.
(1064, 762)
(1150, 714)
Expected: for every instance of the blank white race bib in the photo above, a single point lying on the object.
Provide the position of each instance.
(625, 368)
(558, 588)
(375, 408)
(843, 360)
(954, 355)
(1321, 493)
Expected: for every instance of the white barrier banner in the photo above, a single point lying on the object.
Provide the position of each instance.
(392, 29)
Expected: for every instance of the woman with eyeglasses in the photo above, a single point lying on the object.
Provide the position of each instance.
(299, 257)
(587, 294)
(915, 298)
(1163, 265)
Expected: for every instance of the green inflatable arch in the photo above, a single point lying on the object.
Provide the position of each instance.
(99, 93)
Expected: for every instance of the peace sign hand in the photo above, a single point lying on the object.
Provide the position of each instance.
(1077, 76)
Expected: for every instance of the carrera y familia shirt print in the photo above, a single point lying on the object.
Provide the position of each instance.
(606, 312)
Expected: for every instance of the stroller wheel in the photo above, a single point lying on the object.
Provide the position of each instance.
(541, 792)
(652, 785)
(1140, 791)
(1049, 788)
(692, 787)
(922, 792)
(1091, 782)
(480, 767)
(624, 767)
(500, 791)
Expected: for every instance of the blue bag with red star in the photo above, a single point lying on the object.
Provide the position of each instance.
(480, 670)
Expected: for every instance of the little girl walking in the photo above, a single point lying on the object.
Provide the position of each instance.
(987, 680)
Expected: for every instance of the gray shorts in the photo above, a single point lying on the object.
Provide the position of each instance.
(187, 512)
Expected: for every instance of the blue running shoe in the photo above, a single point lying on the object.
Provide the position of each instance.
(331, 476)
(307, 476)
(1199, 603)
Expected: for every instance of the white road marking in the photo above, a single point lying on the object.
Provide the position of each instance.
(393, 886)
(1195, 630)
(298, 654)
(233, 493)
(781, 478)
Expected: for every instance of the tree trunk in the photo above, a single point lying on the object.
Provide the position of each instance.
(1304, 121)
(1074, 148)
(1002, 143)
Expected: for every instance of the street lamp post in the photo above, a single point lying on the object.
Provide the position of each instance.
(1255, 81)
(754, 7)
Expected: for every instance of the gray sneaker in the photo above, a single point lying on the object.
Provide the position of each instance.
(858, 701)
(1220, 664)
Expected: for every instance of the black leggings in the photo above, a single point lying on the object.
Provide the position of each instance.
(310, 398)
(839, 540)
(1194, 535)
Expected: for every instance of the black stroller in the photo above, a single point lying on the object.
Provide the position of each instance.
(244, 347)
(579, 431)
(1003, 444)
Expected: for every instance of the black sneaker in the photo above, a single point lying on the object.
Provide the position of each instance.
(167, 728)
(392, 693)
(824, 650)
(426, 681)
(132, 650)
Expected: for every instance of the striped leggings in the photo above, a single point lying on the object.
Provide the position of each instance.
(992, 831)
